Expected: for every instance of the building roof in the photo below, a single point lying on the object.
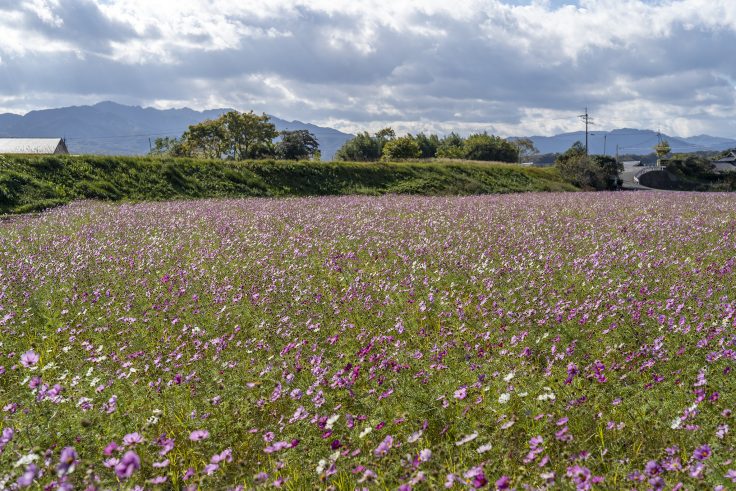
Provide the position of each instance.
(724, 167)
(33, 145)
(730, 158)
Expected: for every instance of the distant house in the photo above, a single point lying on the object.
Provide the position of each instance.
(33, 146)
(726, 164)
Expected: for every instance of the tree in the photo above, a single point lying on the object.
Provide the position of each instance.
(167, 146)
(609, 164)
(401, 148)
(524, 147)
(690, 166)
(576, 167)
(248, 134)
(483, 146)
(296, 145)
(206, 139)
(386, 134)
(609, 167)
(451, 147)
(364, 147)
(428, 145)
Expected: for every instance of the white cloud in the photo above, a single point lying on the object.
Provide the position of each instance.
(512, 67)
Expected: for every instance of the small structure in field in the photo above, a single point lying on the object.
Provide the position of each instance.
(726, 163)
(33, 146)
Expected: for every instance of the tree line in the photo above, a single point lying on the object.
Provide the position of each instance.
(239, 136)
(246, 136)
(385, 145)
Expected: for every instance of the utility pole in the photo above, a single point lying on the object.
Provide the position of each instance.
(616, 154)
(588, 121)
(605, 137)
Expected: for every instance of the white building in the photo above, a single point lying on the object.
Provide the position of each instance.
(33, 146)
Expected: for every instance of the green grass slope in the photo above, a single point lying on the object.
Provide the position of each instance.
(35, 183)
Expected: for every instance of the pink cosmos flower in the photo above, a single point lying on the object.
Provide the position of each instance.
(67, 461)
(128, 464)
(29, 358)
(702, 452)
(384, 446)
(26, 479)
(110, 448)
(132, 438)
(224, 456)
(199, 435)
(731, 474)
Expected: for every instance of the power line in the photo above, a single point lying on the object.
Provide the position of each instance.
(146, 135)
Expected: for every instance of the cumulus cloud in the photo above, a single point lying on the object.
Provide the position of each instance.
(509, 67)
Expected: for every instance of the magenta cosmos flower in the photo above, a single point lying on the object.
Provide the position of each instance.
(128, 464)
(198, 435)
(29, 358)
(132, 438)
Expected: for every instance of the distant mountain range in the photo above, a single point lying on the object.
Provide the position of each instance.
(109, 128)
(630, 141)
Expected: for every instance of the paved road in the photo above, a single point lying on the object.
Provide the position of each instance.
(630, 184)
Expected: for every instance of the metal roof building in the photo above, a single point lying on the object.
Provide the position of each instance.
(728, 159)
(33, 146)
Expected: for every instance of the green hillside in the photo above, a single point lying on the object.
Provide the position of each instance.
(35, 183)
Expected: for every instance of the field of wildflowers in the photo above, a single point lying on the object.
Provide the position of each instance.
(502, 342)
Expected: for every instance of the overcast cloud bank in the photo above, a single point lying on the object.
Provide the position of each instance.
(511, 68)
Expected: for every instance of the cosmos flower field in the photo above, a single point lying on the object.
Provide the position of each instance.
(500, 342)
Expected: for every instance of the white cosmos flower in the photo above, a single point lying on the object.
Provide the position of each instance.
(26, 459)
(331, 421)
(466, 439)
(504, 398)
(484, 448)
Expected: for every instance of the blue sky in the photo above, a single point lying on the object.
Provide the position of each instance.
(508, 67)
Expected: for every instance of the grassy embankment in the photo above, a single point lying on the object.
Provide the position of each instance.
(35, 183)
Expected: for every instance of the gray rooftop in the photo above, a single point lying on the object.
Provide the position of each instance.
(38, 146)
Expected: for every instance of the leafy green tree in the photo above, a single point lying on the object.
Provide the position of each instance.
(483, 146)
(690, 166)
(609, 167)
(451, 147)
(609, 164)
(386, 134)
(296, 145)
(207, 139)
(577, 168)
(525, 147)
(364, 147)
(401, 148)
(167, 146)
(428, 145)
(248, 135)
